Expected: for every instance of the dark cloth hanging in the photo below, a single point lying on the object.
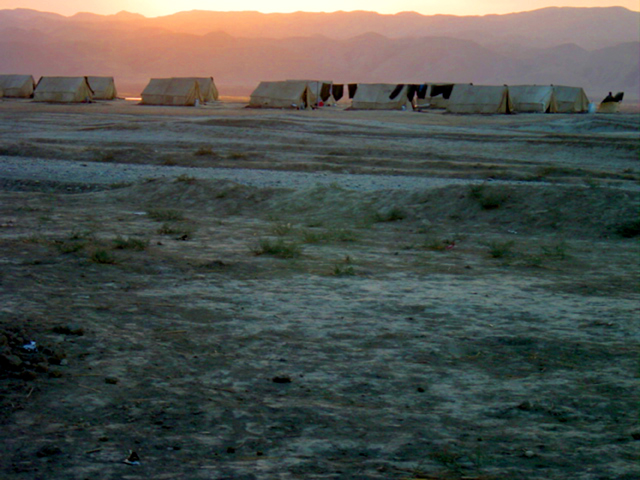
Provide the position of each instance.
(444, 90)
(411, 92)
(337, 91)
(353, 87)
(422, 91)
(396, 91)
(325, 91)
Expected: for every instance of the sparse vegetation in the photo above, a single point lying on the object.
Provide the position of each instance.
(179, 229)
(394, 214)
(488, 198)
(278, 248)
(327, 236)
(102, 257)
(188, 179)
(205, 151)
(344, 268)
(500, 249)
(165, 215)
(121, 243)
(556, 251)
(282, 229)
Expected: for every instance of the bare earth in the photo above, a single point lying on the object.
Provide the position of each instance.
(255, 294)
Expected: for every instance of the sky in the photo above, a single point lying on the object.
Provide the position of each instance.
(154, 8)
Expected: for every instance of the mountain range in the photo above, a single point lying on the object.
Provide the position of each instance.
(597, 48)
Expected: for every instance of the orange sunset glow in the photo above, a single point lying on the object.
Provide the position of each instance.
(151, 8)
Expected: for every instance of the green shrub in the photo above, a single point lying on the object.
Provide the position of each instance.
(393, 215)
(278, 248)
(499, 249)
(121, 243)
(103, 257)
(488, 199)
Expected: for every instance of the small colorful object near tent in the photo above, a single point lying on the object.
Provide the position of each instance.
(611, 103)
(533, 98)
(300, 94)
(480, 99)
(63, 90)
(382, 96)
(571, 99)
(172, 92)
(17, 86)
(104, 88)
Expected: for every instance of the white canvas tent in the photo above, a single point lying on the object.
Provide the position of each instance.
(208, 89)
(172, 91)
(104, 88)
(287, 94)
(480, 99)
(437, 96)
(571, 99)
(381, 96)
(63, 90)
(533, 98)
(17, 86)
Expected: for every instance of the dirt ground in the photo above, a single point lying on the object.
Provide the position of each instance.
(483, 330)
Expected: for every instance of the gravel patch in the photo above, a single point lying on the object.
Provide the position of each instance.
(70, 172)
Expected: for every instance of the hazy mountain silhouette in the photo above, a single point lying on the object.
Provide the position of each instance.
(593, 47)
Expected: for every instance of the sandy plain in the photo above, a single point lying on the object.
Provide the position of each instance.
(260, 294)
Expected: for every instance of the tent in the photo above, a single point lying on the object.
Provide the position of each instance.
(381, 96)
(533, 98)
(104, 88)
(208, 89)
(63, 90)
(571, 99)
(436, 95)
(480, 99)
(19, 86)
(289, 94)
(611, 103)
(172, 91)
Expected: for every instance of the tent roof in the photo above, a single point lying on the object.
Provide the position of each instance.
(60, 84)
(479, 99)
(281, 90)
(378, 93)
(15, 81)
(169, 86)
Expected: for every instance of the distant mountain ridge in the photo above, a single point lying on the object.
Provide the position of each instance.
(597, 48)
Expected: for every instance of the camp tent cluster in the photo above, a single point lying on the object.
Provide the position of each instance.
(455, 98)
(58, 89)
(303, 94)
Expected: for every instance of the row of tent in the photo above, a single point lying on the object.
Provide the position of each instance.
(159, 91)
(58, 89)
(302, 94)
(455, 98)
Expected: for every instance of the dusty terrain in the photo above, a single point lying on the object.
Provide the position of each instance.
(256, 294)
